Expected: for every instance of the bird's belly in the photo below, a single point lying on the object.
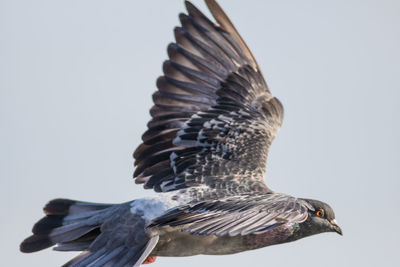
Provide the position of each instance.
(178, 244)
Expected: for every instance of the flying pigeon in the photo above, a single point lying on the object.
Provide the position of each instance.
(205, 151)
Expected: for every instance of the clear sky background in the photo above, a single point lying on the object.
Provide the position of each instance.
(76, 79)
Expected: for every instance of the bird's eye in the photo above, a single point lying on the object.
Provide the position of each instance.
(320, 213)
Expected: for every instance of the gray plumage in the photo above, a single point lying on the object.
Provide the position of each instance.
(237, 215)
(214, 117)
(213, 121)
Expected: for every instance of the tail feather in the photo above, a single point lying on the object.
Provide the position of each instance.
(73, 246)
(79, 244)
(46, 224)
(70, 232)
(108, 235)
(64, 222)
(63, 206)
(35, 243)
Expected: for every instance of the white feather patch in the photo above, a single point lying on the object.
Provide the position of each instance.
(150, 208)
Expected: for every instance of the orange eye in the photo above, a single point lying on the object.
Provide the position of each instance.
(320, 213)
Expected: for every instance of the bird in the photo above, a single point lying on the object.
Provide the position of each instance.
(204, 153)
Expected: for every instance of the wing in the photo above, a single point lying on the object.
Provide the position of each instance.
(213, 118)
(237, 215)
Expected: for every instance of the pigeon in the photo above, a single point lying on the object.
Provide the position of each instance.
(204, 153)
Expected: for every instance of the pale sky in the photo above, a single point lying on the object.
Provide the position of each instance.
(76, 79)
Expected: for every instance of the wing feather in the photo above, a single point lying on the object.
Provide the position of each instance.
(236, 215)
(214, 117)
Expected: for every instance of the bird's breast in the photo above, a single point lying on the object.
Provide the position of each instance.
(175, 243)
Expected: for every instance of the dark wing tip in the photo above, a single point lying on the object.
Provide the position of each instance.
(226, 24)
(189, 6)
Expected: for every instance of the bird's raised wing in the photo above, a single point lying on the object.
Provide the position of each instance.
(213, 118)
(236, 215)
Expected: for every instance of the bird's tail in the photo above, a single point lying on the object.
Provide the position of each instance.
(69, 223)
(108, 234)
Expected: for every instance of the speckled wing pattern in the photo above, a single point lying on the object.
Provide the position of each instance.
(236, 215)
(213, 118)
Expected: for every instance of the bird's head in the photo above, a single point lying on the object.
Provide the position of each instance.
(321, 218)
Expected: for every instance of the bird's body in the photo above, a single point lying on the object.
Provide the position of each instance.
(205, 151)
(176, 241)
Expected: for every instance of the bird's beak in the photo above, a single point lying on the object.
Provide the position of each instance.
(335, 227)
